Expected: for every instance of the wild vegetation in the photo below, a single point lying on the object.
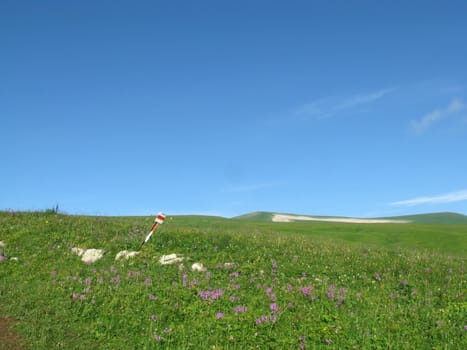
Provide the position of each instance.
(266, 286)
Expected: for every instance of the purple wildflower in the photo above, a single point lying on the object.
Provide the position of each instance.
(274, 307)
(239, 309)
(204, 294)
(157, 338)
(219, 315)
(152, 297)
(147, 281)
(217, 294)
(87, 281)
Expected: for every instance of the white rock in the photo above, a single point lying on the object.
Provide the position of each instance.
(198, 267)
(170, 259)
(92, 255)
(2, 244)
(126, 254)
(88, 255)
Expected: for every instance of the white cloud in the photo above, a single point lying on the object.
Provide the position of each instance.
(363, 99)
(327, 107)
(443, 198)
(420, 126)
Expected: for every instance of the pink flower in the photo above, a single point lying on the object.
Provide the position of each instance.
(274, 307)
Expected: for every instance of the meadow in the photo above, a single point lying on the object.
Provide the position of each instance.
(266, 286)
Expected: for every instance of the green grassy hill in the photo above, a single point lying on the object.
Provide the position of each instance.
(297, 285)
(256, 216)
(438, 218)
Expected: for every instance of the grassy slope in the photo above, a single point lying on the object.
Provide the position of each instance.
(431, 218)
(368, 265)
(439, 218)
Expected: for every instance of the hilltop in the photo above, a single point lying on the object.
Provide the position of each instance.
(429, 218)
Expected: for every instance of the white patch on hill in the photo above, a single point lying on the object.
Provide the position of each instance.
(292, 218)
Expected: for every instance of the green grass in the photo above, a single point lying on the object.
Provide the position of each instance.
(290, 285)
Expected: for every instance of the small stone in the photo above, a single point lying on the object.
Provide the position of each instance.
(126, 254)
(198, 267)
(88, 256)
(170, 259)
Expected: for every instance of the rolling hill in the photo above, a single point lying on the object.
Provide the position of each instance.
(435, 218)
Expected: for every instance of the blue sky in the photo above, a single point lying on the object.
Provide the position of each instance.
(349, 108)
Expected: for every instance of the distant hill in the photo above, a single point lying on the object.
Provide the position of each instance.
(256, 216)
(434, 218)
(438, 218)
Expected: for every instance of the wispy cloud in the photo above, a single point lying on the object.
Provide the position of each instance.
(327, 107)
(443, 198)
(420, 126)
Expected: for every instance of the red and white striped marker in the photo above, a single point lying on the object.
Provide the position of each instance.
(158, 220)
